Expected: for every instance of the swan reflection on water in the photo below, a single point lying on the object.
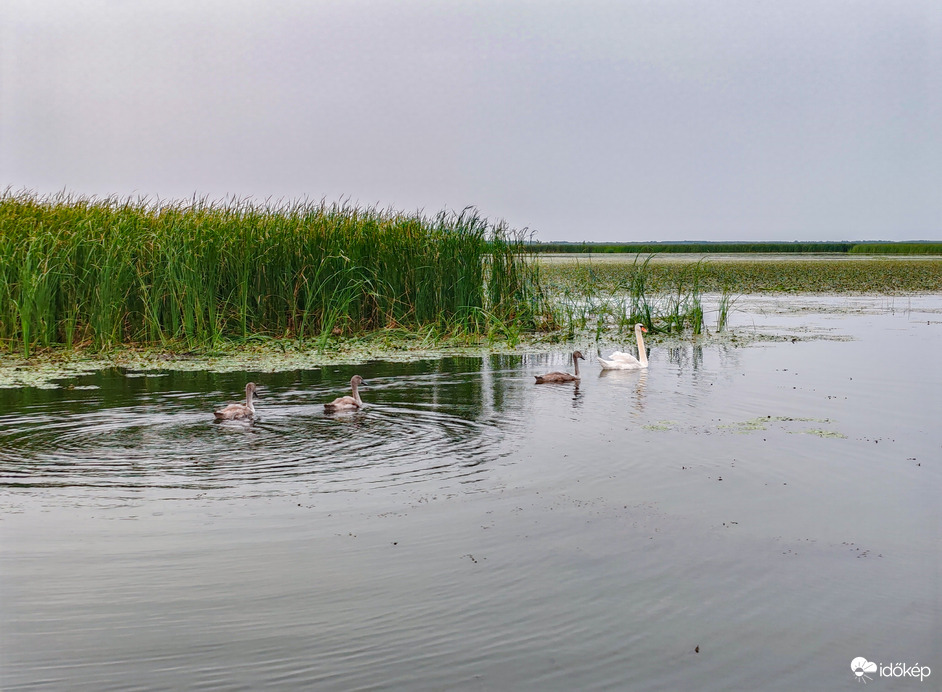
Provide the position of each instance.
(238, 425)
(639, 377)
(577, 396)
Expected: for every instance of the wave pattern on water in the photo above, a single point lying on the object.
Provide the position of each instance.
(415, 431)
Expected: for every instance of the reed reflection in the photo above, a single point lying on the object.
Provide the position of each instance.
(577, 396)
(685, 357)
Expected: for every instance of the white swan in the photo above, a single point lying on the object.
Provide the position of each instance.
(347, 403)
(233, 411)
(626, 361)
(562, 376)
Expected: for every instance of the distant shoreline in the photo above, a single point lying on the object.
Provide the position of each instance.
(907, 248)
(690, 257)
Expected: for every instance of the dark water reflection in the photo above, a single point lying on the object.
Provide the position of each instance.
(774, 505)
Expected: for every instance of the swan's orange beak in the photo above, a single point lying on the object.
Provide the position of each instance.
(643, 328)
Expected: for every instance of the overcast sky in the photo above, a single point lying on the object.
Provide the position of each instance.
(583, 120)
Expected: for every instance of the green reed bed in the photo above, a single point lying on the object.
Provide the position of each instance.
(108, 272)
(924, 248)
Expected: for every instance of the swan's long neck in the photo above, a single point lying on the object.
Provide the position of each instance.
(642, 354)
(575, 363)
(250, 399)
(356, 394)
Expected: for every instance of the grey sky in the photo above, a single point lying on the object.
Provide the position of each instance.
(631, 120)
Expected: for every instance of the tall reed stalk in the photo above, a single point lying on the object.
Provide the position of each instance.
(722, 311)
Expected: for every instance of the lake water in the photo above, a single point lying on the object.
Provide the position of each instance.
(748, 517)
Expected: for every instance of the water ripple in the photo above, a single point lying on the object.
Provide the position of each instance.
(172, 441)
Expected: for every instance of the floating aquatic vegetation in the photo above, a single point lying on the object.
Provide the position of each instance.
(763, 423)
(662, 425)
(747, 426)
(46, 368)
(822, 433)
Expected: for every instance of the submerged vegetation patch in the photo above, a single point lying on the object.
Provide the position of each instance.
(762, 423)
(824, 433)
(661, 425)
(50, 368)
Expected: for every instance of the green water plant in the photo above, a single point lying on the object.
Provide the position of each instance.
(722, 311)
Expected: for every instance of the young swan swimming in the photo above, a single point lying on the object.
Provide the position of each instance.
(347, 403)
(562, 376)
(233, 411)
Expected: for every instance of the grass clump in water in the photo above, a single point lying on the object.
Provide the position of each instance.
(586, 296)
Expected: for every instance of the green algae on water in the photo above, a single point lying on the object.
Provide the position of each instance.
(662, 425)
(821, 433)
(48, 368)
(763, 422)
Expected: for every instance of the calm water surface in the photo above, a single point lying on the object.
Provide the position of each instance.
(775, 505)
